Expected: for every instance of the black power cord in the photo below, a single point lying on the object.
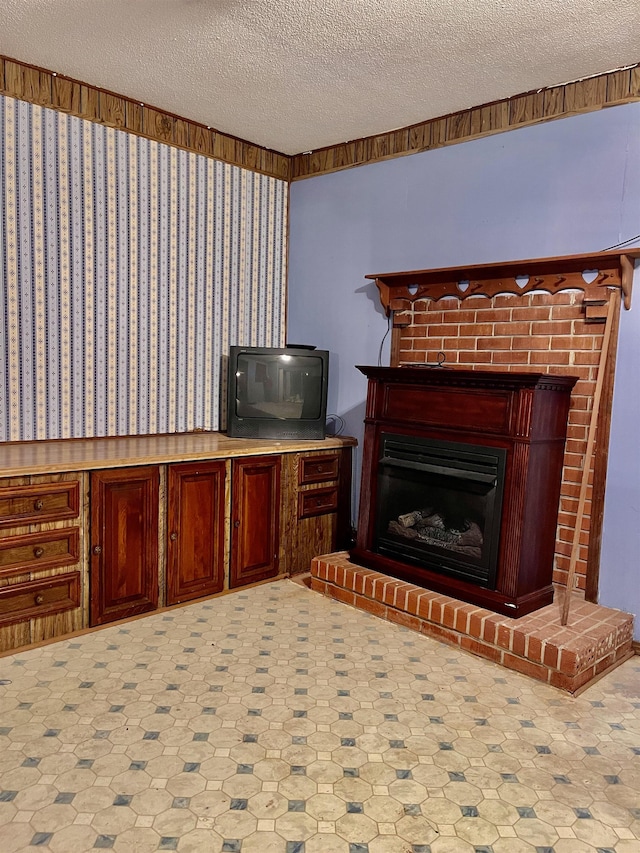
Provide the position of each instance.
(623, 243)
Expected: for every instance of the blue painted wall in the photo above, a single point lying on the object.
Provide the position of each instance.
(559, 188)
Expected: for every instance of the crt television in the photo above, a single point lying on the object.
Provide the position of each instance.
(277, 392)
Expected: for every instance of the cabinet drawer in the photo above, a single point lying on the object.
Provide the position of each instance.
(317, 502)
(37, 551)
(318, 469)
(35, 599)
(41, 502)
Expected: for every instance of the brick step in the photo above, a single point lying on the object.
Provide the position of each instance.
(570, 657)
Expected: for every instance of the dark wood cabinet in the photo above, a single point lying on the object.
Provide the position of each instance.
(124, 542)
(255, 517)
(195, 530)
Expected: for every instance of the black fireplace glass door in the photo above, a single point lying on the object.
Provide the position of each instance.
(439, 505)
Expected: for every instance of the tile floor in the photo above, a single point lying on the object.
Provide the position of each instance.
(275, 720)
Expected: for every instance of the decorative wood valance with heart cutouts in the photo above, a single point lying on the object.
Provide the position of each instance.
(594, 274)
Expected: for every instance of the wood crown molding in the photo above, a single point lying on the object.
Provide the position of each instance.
(48, 89)
(593, 93)
(592, 273)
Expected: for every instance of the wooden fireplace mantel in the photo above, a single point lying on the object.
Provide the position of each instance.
(592, 273)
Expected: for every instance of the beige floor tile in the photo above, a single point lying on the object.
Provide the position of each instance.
(297, 719)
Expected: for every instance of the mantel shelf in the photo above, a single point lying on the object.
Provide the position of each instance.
(592, 273)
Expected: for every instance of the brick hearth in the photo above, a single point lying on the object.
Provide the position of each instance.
(598, 638)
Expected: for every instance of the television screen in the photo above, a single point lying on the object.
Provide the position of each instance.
(279, 386)
(277, 392)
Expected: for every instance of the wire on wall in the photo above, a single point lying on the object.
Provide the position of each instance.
(623, 243)
(384, 339)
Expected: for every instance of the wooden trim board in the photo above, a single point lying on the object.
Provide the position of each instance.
(588, 95)
(48, 89)
(601, 461)
(399, 290)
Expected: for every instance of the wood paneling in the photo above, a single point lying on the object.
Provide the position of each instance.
(113, 110)
(616, 87)
(135, 118)
(66, 95)
(90, 100)
(48, 89)
(582, 95)
(526, 108)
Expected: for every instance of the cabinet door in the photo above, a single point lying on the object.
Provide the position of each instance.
(195, 550)
(255, 518)
(124, 543)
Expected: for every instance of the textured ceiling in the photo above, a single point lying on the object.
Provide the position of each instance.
(296, 75)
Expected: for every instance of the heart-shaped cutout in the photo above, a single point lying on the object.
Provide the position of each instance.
(412, 289)
(590, 275)
(522, 280)
(463, 285)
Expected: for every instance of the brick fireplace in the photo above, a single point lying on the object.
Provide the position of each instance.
(535, 332)
(545, 315)
(539, 317)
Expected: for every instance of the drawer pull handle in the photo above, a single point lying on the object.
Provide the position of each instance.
(39, 599)
(236, 523)
(38, 504)
(320, 469)
(38, 552)
(97, 549)
(173, 536)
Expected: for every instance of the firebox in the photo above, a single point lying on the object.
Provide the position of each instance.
(461, 478)
(439, 505)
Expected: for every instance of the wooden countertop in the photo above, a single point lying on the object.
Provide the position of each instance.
(18, 459)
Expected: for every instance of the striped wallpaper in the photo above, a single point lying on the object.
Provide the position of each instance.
(128, 268)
